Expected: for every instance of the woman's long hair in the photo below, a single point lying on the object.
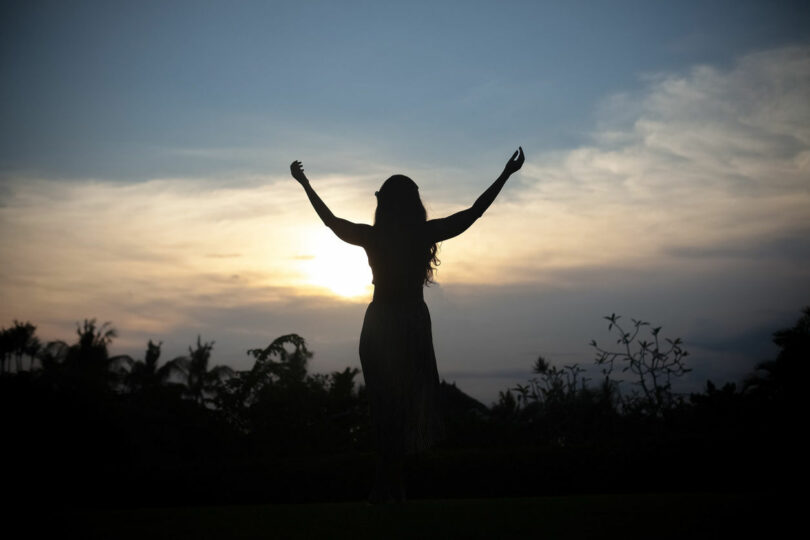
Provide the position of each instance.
(398, 205)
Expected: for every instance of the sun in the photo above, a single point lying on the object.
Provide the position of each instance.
(337, 266)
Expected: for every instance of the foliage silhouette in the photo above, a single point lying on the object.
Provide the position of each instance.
(652, 365)
(145, 375)
(17, 342)
(86, 365)
(557, 407)
(201, 382)
(785, 376)
(131, 431)
(278, 396)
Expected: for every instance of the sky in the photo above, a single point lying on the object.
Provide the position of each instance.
(145, 151)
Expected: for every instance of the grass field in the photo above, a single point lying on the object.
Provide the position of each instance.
(592, 516)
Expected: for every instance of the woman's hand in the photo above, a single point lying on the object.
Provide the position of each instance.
(297, 172)
(515, 162)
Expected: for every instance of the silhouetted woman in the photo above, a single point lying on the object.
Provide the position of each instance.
(396, 344)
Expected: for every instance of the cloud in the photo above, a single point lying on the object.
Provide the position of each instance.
(694, 161)
(792, 246)
(223, 255)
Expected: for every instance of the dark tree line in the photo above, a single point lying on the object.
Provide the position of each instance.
(634, 403)
(145, 431)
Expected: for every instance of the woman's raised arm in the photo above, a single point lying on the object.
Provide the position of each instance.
(445, 228)
(347, 231)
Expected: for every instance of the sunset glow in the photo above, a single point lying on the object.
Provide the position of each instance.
(341, 269)
(667, 173)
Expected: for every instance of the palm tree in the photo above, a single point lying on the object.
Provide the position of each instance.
(193, 369)
(19, 340)
(145, 374)
(88, 360)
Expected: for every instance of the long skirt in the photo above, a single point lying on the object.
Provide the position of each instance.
(402, 381)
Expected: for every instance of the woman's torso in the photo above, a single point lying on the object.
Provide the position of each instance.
(398, 258)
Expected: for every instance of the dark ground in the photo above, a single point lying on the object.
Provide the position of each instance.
(660, 515)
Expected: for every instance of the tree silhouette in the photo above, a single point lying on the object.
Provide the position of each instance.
(276, 373)
(17, 342)
(53, 355)
(780, 382)
(178, 444)
(6, 349)
(652, 365)
(32, 349)
(201, 382)
(89, 360)
(285, 410)
(276, 364)
(145, 375)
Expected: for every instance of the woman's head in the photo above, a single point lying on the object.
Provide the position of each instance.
(399, 204)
